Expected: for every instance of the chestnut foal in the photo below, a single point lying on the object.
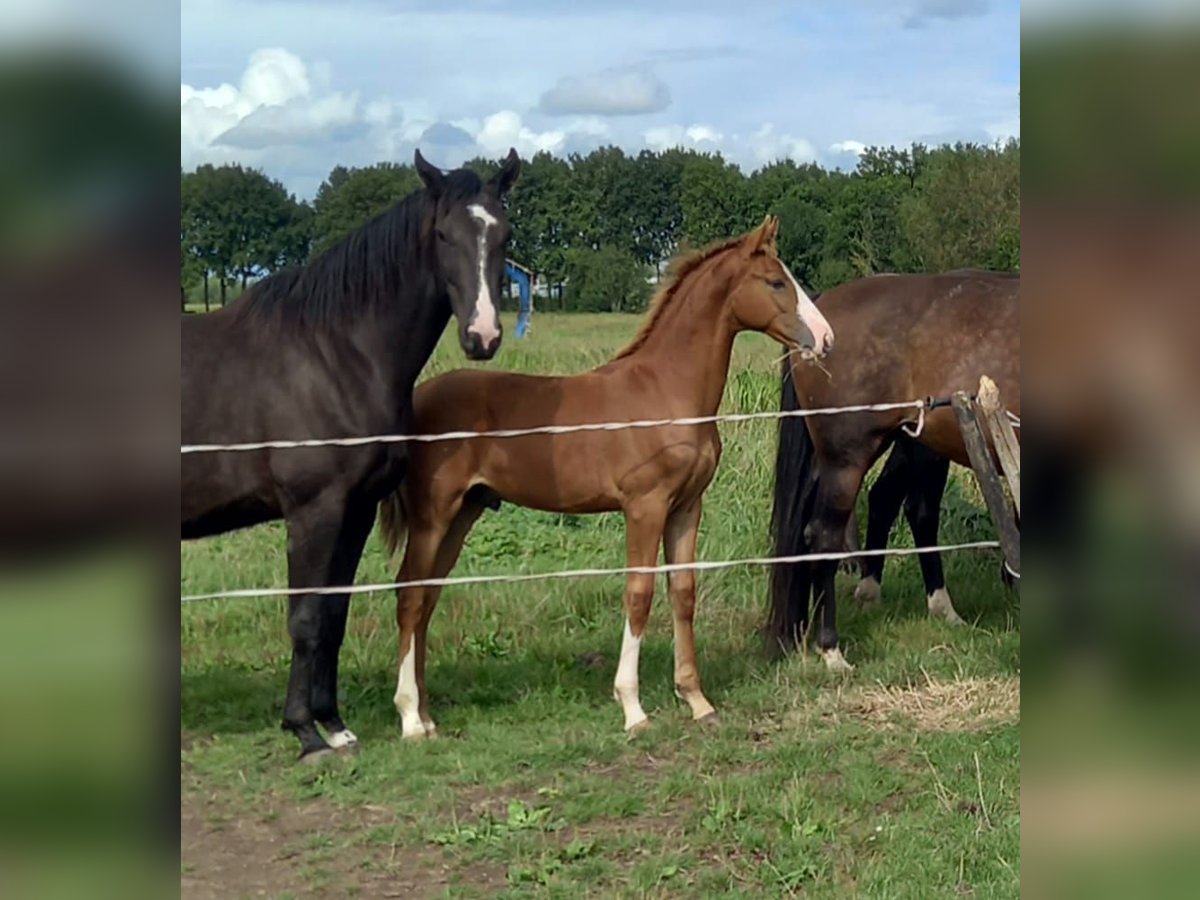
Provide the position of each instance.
(676, 367)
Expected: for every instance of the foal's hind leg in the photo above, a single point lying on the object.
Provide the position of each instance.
(643, 531)
(321, 546)
(679, 546)
(435, 540)
(447, 556)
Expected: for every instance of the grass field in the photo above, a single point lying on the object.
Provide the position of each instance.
(901, 780)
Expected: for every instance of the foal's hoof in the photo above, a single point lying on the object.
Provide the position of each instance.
(637, 728)
(710, 720)
(318, 757)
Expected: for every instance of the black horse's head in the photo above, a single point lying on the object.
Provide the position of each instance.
(470, 232)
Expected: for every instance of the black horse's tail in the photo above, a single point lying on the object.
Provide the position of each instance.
(795, 492)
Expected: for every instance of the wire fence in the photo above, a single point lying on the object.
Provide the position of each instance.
(667, 568)
(918, 406)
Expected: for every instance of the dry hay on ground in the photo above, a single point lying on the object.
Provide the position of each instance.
(967, 704)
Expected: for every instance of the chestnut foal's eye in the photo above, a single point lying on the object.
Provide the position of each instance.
(777, 285)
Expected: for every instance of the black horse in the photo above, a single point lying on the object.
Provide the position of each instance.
(333, 350)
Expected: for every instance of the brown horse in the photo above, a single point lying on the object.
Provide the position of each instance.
(676, 367)
(900, 337)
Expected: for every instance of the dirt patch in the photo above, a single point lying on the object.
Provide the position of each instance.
(968, 704)
(309, 849)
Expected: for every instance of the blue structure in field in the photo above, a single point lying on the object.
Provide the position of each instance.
(523, 278)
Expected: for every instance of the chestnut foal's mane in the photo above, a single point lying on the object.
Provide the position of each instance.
(677, 270)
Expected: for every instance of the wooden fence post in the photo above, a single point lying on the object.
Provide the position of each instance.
(989, 480)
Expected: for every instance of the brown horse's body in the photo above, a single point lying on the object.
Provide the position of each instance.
(676, 368)
(900, 337)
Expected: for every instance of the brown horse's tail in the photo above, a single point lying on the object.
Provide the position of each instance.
(393, 522)
(795, 492)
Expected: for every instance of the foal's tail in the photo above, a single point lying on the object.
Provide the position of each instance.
(795, 492)
(393, 522)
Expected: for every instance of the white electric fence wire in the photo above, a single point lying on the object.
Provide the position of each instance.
(698, 566)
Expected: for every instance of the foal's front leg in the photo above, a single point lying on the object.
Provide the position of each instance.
(643, 530)
(679, 546)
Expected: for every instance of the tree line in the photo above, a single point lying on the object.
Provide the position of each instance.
(600, 226)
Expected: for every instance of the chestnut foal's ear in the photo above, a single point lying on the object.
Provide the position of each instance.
(507, 176)
(762, 238)
(430, 174)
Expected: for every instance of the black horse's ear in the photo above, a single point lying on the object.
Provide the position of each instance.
(430, 174)
(507, 176)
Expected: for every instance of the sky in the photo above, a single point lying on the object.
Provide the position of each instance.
(295, 88)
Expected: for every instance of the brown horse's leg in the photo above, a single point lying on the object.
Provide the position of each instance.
(447, 556)
(425, 534)
(679, 546)
(643, 531)
(836, 491)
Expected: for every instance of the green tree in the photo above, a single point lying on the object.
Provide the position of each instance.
(966, 208)
(713, 200)
(537, 212)
(605, 279)
(235, 222)
(349, 198)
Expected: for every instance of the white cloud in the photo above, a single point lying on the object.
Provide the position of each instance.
(504, 129)
(612, 92)
(275, 104)
(925, 12)
(765, 146)
(664, 137)
(855, 147)
(1002, 131)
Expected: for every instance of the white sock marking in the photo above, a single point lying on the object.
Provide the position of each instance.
(835, 662)
(626, 684)
(822, 331)
(408, 699)
(343, 738)
(940, 604)
(486, 323)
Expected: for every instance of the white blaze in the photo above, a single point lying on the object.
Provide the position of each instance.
(821, 330)
(626, 684)
(486, 323)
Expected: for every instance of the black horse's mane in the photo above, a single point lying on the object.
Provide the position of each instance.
(369, 269)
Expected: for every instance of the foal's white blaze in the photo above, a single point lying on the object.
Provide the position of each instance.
(343, 738)
(486, 323)
(408, 698)
(808, 313)
(941, 605)
(626, 684)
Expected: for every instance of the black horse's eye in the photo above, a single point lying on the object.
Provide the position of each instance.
(777, 285)
(441, 235)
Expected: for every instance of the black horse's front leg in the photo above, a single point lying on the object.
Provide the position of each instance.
(335, 608)
(324, 546)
